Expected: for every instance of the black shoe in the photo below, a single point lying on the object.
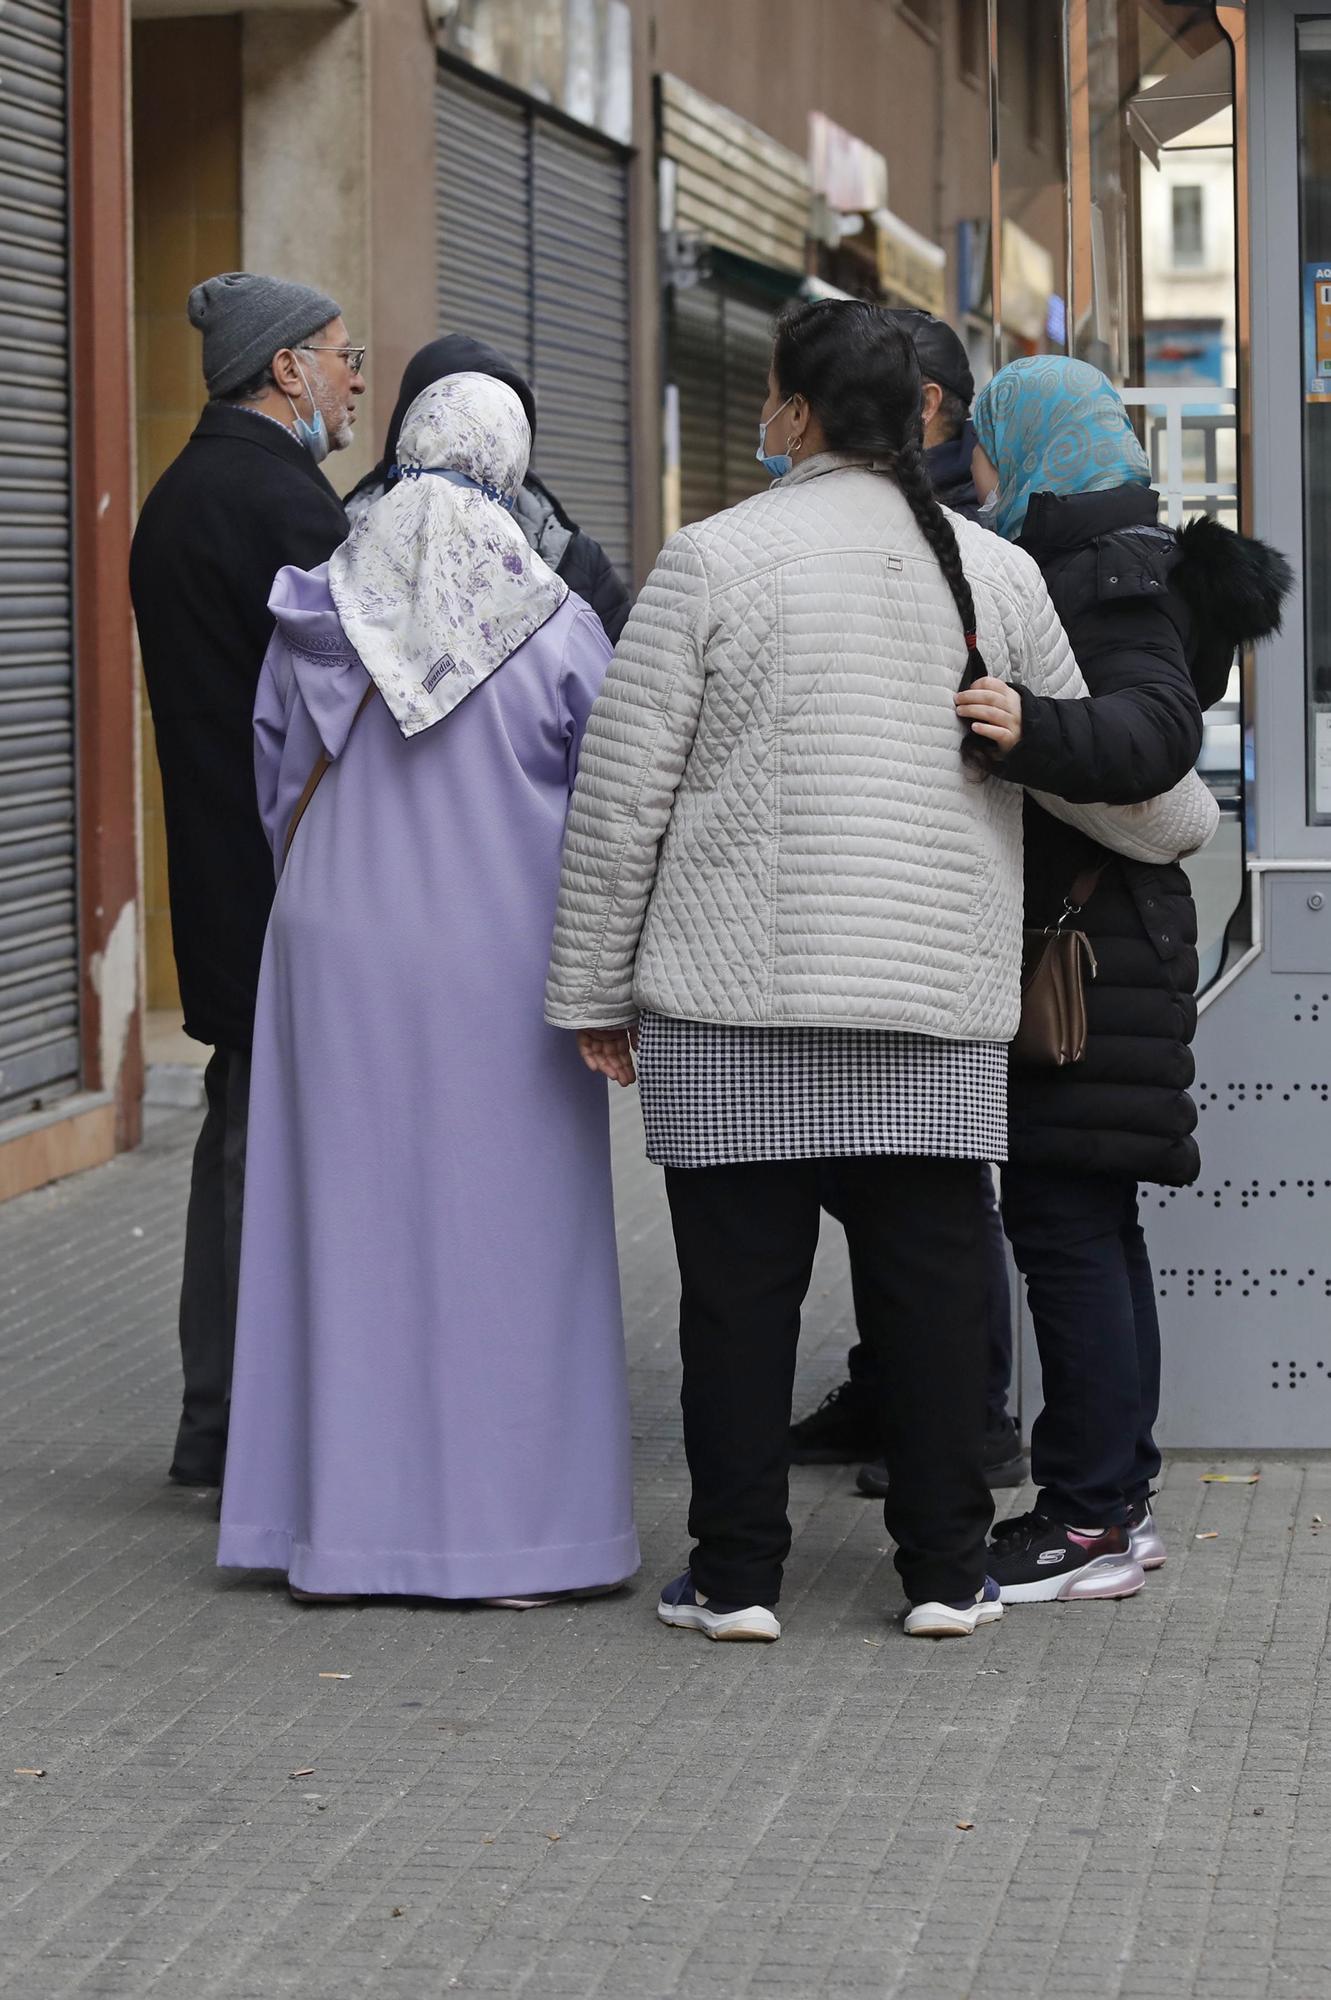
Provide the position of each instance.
(1004, 1463)
(1037, 1561)
(1004, 1459)
(187, 1476)
(841, 1430)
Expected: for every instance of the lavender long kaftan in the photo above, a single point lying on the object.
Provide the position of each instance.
(429, 1390)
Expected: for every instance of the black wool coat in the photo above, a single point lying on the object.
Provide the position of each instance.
(243, 499)
(1113, 576)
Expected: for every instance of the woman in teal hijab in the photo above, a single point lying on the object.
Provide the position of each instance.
(1065, 476)
(1047, 424)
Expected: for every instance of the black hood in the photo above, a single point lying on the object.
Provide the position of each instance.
(452, 354)
(1235, 587)
(1232, 585)
(949, 469)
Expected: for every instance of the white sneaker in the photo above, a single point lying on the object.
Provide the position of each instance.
(684, 1605)
(955, 1621)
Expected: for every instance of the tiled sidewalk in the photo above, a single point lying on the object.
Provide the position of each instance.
(579, 1802)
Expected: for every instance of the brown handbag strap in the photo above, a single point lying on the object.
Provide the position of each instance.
(313, 781)
(1085, 886)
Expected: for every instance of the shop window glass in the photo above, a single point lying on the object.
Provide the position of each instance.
(1314, 85)
(1140, 191)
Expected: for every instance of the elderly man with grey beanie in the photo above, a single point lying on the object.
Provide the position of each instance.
(245, 497)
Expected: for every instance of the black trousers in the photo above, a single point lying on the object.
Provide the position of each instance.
(211, 1276)
(746, 1237)
(997, 1301)
(1080, 1247)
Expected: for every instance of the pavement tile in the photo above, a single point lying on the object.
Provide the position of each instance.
(1150, 1782)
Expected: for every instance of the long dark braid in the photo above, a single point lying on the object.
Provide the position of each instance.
(933, 524)
(858, 371)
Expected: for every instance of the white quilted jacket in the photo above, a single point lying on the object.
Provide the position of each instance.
(772, 823)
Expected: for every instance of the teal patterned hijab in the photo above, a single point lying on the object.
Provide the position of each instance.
(1052, 425)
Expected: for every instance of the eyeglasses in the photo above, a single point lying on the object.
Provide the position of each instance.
(353, 356)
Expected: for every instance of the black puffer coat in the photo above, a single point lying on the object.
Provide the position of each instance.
(1153, 617)
(243, 499)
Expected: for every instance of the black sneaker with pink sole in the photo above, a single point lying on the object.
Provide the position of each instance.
(1034, 1560)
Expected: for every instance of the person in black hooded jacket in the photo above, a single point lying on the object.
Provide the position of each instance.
(1154, 617)
(582, 562)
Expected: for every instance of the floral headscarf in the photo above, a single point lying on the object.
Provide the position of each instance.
(1053, 425)
(436, 585)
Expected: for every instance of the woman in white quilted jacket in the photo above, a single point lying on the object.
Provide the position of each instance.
(793, 883)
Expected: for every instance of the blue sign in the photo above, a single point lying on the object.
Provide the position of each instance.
(1317, 333)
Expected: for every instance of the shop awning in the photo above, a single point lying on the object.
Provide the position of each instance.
(1177, 104)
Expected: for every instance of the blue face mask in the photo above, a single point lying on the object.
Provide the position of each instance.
(778, 463)
(314, 436)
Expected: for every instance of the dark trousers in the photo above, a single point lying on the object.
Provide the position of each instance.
(997, 1301)
(1077, 1241)
(746, 1237)
(212, 1269)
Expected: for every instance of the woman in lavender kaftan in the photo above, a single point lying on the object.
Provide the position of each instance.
(429, 1394)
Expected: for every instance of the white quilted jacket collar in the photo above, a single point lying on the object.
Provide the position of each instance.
(827, 461)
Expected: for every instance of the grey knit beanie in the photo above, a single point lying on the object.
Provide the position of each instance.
(245, 319)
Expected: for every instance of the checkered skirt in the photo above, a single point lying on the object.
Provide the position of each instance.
(713, 1096)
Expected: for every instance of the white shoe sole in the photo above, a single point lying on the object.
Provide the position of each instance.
(941, 1621)
(755, 1623)
(1105, 1576)
(1148, 1547)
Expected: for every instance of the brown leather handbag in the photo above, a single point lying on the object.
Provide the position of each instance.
(1055, 964)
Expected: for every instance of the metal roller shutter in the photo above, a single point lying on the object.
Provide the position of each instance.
(39, 973)
(533, 257)
(581, 319)
(720, 347)
(748, 355)
(483, 206)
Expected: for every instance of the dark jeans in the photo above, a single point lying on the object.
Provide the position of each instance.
(1077, 1240)
(997, 1300)
(212, 1269)
(746, 1237)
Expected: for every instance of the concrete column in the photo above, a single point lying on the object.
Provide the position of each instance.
(305, 172)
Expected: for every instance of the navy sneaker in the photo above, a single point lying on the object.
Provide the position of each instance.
(955, 1618)
(683, 1604)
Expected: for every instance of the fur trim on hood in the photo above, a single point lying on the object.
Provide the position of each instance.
(1235, 587)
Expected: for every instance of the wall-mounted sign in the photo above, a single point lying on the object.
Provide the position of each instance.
(1317, 332)
(912, 271)
(849, 174)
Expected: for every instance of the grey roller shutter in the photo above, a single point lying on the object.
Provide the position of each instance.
(533, 257)
(483, 176)
(39, 972)
(697, 349)
(581, 319)
(748, 355)
(720, 347)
